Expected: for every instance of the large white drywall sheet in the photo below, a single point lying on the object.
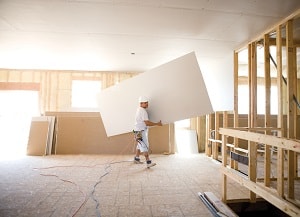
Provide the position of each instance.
(218, 77)
(176, 91)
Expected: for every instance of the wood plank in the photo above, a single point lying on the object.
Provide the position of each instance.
(291, 115)
(222, 208)
(242, 150)
(285, 143)
(234, 164)
(267, 156)
(215, 146)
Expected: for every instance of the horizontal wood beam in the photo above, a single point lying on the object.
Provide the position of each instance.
(289, 144)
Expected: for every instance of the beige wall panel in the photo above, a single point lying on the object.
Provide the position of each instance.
(37, 76)
(99, 76)
(77, 74)
(27, 76)
(52, 89)
(3, 76)
(14, 76)
(65, 81)
(64, 100)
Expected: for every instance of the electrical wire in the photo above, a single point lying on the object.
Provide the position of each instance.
(107, 170)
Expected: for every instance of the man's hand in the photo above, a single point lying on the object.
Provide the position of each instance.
(159, 123)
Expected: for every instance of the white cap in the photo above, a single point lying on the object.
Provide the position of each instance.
(143, 99)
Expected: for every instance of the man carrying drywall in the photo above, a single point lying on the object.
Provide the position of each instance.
(142, 123)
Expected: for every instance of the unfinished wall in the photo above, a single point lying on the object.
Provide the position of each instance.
(84, 133)
(55, 87)
(78, 132)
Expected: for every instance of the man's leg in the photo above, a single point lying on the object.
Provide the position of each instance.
(137, 155)
(146, 146)
(149, 162)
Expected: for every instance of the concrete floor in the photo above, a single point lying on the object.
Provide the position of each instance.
(109, 186)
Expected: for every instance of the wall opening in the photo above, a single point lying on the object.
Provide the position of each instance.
(16, 111)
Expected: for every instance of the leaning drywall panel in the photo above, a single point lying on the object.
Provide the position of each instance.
(38, 137)
(51, 120)
(176, 91)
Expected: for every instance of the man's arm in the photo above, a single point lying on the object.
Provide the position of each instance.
(150, 123)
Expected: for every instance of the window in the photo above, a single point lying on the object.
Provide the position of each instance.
(243, 99)
(85, 93)
(16, 111)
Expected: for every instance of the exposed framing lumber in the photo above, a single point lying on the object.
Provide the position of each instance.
(290, 144)
(280, 153)
(215, 145)
(252, 147)
(224, 157)
(264, 192)
(257, 188)
(286, 105)
(291, 115)
(234, 164)
(267, 156)
(208, 129)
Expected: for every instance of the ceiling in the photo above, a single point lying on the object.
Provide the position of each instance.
(130, 35)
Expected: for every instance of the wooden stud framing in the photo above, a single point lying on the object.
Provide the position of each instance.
(267, 165)
(215, 145)
(286, 105)
(224, 157)
(234, 164)
(291, 116)
(280, 152)
(208, 129)
(252, 146)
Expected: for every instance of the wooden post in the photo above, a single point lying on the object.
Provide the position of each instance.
(215, 144)
(267, 165)
(224, 157)
(234, 164)
(280, 151)
(252, 146)
(224, 163)
(291, 115)
(208, 128)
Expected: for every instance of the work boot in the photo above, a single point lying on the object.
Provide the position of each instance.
(137, 160)
(150, 164)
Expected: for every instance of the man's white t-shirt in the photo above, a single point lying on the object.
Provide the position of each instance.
(140, 117)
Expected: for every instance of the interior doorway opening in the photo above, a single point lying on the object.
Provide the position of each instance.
(185, 138)
(16, 111)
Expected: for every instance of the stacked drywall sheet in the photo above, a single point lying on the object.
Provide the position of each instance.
(41, 136)
(84, 133)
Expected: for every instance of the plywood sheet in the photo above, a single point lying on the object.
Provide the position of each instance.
(176, 91)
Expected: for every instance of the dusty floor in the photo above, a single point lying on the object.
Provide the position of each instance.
(107, 185)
